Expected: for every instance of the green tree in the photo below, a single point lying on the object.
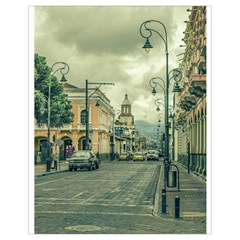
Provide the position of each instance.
(60, 105)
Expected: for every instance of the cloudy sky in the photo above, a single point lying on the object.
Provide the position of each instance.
(103, 44)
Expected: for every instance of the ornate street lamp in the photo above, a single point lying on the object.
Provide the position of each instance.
(64, 69)
(176, 75)
(160, 116)
(87, 108)
(158, 103)
(172, 116)
(146, 32)
(153, 84)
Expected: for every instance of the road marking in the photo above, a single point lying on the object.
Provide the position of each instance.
(109, 180)
(100, 213)
(87, 228)
(39, 184)
(79, 194)
(92, 204)
(189, 189)
(194, 214)
(48, 189)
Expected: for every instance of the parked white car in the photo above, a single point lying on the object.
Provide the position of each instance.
(152, 155)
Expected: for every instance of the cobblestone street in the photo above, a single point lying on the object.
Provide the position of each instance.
(120, 197)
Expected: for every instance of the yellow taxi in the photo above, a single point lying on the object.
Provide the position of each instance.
(124, 157)
(138, 156)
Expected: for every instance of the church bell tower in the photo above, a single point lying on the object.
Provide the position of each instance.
(126, 112)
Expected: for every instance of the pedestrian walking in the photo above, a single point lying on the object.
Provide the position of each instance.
(39, 158)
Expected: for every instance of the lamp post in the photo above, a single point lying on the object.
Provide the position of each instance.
(87, 108)
(176, 75)
(172, 116)
(64, 69)
(158, 103)
(160, 117)
(113, 135)
(153, 84)
(146, 32)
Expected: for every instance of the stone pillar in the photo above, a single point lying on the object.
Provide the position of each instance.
(194, 146)
(204, 171)
(197, 144)
(191, 143)
(200, 145)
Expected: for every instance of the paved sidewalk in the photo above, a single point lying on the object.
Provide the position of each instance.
(40, 169)
(192, 197)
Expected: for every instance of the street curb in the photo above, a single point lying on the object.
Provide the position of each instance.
(61, 171)
(50, 173)
(155, 211)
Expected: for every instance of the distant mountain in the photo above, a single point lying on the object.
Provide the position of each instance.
(147, 129)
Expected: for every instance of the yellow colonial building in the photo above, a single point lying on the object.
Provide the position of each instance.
(74, 135)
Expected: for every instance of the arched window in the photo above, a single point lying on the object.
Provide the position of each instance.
(83, 117)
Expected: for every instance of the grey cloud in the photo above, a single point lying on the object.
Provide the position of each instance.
(104, 43)
(103, 29)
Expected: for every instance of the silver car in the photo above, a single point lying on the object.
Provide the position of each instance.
(83, 159)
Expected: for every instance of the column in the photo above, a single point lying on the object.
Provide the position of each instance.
(194, 146)
(204, 171)
(191, 142)
(200, 145)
